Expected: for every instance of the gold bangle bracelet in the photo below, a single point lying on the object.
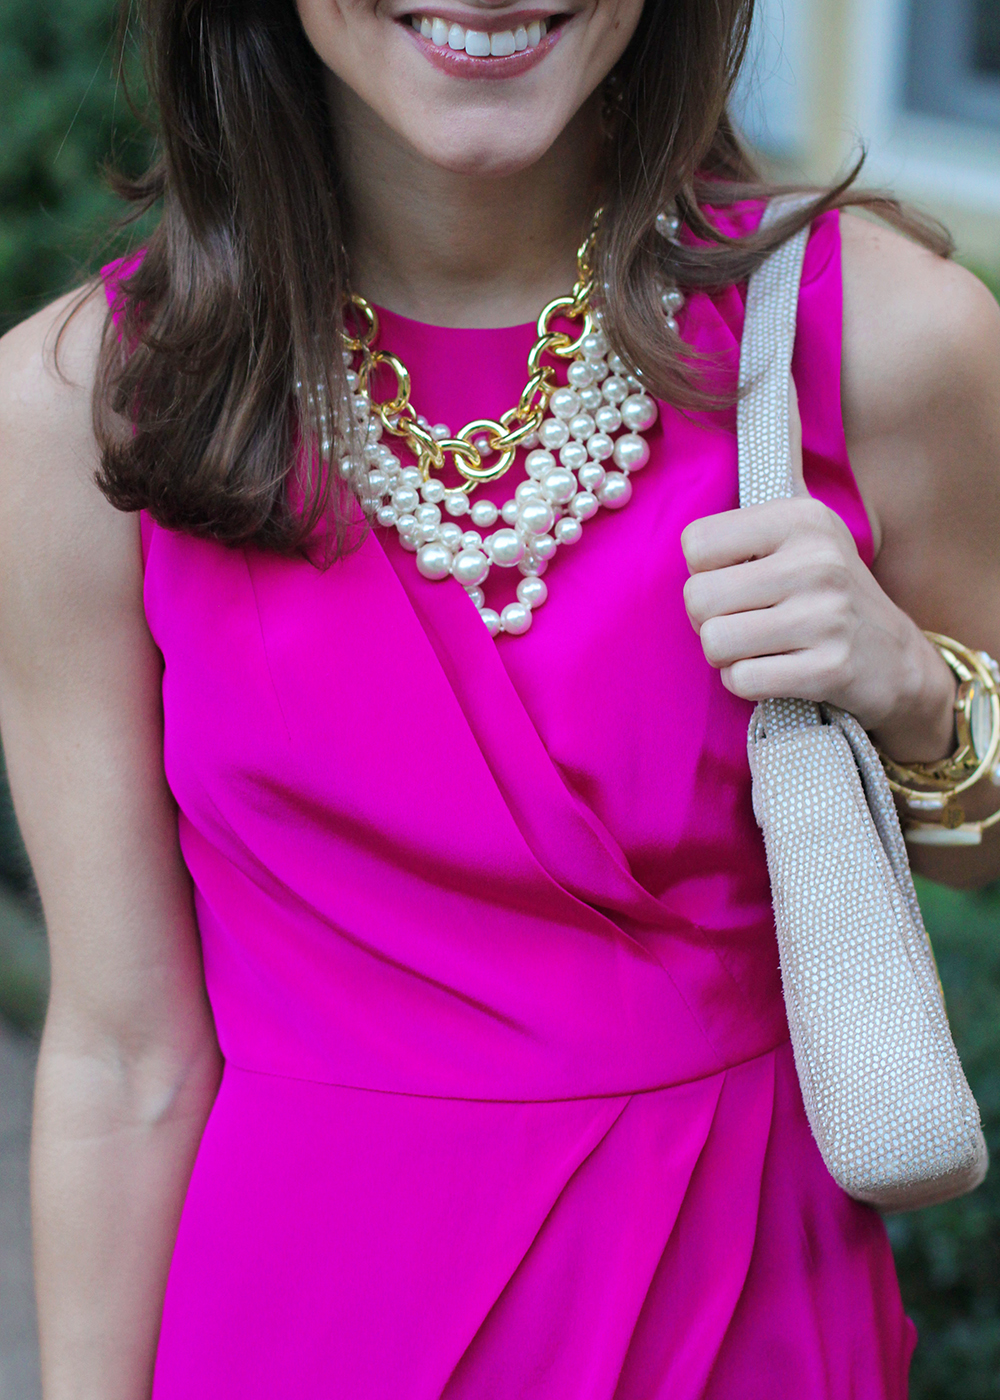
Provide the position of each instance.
(934, 787)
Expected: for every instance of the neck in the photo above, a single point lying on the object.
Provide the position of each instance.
(455, 249)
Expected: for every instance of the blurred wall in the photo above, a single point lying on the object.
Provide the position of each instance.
(917, 81)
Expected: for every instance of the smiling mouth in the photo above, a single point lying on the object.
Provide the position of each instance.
(446, 35)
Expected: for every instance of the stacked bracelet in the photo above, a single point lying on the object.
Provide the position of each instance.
(936, 787)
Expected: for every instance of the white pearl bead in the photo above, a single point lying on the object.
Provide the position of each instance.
(668, 226)
(477, 595)
(600, 447)
(559, 485)
(361, 406)
(536, 517)
(352, 381)
(532, 592)
(672, 325)
(508, 512)
(405, 499)
(410, 477)
(538, 462)
(543, 546)
(450, 535)
(580, 374)
(672, 300)
(573, 455)
(591, 477)
(568, 530)
(532, 567)
(594, 345)
(470, 567)
(434, 561)
(565, 404)
(581, 426)
(388, 460)
(428, 515)
(484, 514)
(631, 452)
(506, 548)
(377, 483)
(638, 413)
(616, 491)
(387, 515)
(526, 491)
(492, 620)
(456, 503)
(515, 619)
(406, 525)
(583, 505)
(410, 543)
(614, 389)
(432, 491)
(591, 399)
(471, 539)
(616, 364)
(440, 431)
(553, 433)
(608, 419)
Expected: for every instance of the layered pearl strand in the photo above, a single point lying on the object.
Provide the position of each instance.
(580, 458)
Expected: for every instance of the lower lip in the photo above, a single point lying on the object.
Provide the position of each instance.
(461, 65)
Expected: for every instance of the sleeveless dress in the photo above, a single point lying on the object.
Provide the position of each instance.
(509, 1108)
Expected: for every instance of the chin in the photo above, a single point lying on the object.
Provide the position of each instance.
(473, 151)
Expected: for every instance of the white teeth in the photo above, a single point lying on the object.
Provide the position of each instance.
(475, 42)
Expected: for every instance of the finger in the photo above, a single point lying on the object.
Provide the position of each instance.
(810, 674)
(789, 628)
(760, 583)
(718, 541)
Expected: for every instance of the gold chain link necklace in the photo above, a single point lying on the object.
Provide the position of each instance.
(577, 421)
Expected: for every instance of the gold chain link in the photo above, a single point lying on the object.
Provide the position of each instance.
(502, 437)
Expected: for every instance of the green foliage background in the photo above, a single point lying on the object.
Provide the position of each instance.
(62, 112)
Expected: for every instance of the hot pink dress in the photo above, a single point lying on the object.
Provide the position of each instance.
(509, 1108)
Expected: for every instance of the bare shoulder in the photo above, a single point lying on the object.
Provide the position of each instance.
(921, 398)
(921, 333)
(921, 388)
(60, 540)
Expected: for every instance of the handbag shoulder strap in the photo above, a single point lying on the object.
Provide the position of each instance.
(763, 423)
(762, 416)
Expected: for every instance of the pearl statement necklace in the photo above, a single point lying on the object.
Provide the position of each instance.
(583, 440)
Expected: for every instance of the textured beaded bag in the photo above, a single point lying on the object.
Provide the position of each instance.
(884, 1090)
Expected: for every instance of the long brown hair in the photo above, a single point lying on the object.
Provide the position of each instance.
(236, 303)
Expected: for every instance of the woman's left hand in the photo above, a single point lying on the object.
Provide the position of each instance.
(784, 606)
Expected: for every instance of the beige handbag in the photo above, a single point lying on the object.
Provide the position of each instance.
(884, 1091)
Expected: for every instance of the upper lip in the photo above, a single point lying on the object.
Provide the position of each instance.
(481, 21)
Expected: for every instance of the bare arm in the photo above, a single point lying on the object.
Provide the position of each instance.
(921, 385)
(781, 600)
(129, 1064)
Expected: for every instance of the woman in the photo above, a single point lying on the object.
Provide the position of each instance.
(415, 1025)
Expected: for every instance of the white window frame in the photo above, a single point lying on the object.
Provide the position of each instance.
(922, 156)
